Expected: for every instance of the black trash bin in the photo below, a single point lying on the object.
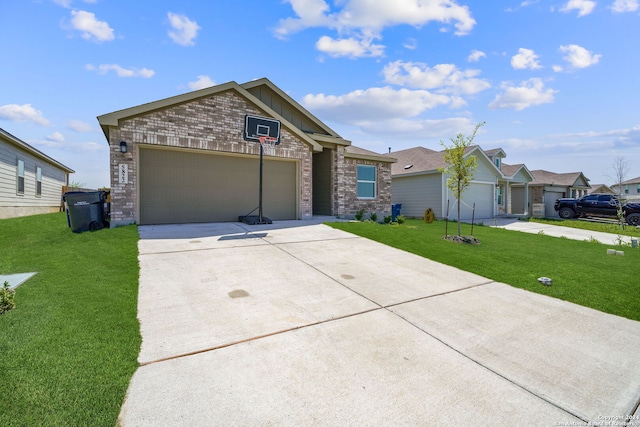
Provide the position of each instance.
(85, 210)
(395, 211)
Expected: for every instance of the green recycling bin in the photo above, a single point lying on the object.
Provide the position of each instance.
(85, 210)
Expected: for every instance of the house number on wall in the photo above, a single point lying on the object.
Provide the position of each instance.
(124, 173)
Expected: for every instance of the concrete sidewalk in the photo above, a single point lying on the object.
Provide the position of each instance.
(297, 324)
(557, 231)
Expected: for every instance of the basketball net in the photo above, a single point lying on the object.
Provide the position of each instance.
(268, 144)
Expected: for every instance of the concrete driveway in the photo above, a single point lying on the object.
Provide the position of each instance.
(298, 324)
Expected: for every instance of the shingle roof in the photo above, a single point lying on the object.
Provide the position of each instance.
(561, 179)
(415, 160)
(358, 152)
(510, 170)
(631, 181)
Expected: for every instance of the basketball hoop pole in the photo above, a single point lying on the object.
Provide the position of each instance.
(260, 218)
(260, 189)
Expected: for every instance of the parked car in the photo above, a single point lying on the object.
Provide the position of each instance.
(603, 205)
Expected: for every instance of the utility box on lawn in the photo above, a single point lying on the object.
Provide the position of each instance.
(85, 210)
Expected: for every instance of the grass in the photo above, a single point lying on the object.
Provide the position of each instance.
(69, 348)
(628, 230)
(582, 272)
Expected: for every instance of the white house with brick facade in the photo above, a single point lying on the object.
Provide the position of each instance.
(185, 159)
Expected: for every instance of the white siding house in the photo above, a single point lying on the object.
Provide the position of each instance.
(30, 181)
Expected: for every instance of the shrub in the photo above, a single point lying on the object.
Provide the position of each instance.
(360, 215)
(373, 216)
(387, 219)
(401, 219)
(6, 298)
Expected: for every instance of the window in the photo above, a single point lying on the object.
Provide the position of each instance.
(38, 181)
(20, 177)
(499, 190)
(498, 162)
(638, 189)
(626, 189)
(366, 182)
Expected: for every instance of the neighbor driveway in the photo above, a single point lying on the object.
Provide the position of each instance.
(299, 324)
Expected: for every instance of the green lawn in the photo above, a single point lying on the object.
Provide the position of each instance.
(582, 272)
(69, 348)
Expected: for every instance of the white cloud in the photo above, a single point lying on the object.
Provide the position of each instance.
(363, 14)
(416, 129)
(201, 83)
(373, 104)
(530, 93)
(22, 113)
(444, 77)
(79, 126)
(186, 30)
(584, 7)
(55, 137)
(349, 47)
(475, 56)
(410, 44)
(359, 22)
(578, 56)
(90, 27)
(621, 6)
(525, 58)
(121, 71)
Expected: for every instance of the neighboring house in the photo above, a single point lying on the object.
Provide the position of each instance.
(30, 181)
(418, 184)
(186, 159)
(600, 189)
(629, 188)
(547, 187)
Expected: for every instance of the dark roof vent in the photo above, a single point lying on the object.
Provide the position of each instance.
(408, 166)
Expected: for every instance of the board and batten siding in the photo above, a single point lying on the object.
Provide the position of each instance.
(417, 193)
(13, 203)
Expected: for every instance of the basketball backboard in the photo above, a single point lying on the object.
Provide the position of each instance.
(255, 127)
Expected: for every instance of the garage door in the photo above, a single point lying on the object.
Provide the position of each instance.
(550, 198)
(185, 187)
(480, 194)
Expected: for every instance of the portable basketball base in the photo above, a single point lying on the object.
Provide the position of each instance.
(264, 131)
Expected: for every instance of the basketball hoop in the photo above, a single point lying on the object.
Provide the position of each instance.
(268, 144)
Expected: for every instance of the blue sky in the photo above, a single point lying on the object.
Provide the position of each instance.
(555, 81)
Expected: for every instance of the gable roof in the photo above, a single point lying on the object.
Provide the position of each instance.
(630, 181)
(600, 189)
(6, 136)
(495, 151)
(416, 160)
(112, 119)
(423, 160)
(360, 153)
(510, 171)
(570, 179)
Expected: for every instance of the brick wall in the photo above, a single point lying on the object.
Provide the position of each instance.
(215, 123)
(348, 203)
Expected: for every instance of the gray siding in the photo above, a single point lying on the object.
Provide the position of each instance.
(417, 193)
(14, 204)
(485, 172)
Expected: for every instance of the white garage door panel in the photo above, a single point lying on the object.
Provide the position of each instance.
(480, 194)
(183, 187)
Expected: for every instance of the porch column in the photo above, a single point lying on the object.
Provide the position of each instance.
(526, 199)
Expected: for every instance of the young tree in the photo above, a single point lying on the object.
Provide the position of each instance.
(459, 167)
(620, 169)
